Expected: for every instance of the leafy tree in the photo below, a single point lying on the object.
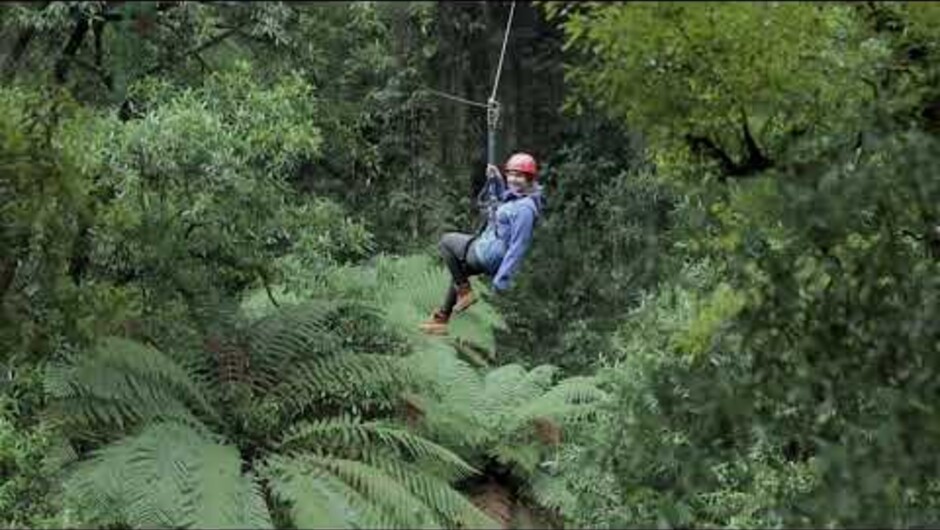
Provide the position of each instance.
(760, 394)
(732, 84)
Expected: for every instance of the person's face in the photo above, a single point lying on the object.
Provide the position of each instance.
(517, 180)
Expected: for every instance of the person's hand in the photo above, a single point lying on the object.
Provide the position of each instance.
(492, 172)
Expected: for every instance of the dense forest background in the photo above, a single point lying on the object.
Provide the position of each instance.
(218, 224)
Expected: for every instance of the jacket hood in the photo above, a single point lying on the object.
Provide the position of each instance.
(538, 198)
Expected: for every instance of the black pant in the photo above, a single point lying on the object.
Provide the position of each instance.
(457, 250)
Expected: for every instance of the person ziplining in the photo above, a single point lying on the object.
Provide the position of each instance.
(512, 205)
(498, 250)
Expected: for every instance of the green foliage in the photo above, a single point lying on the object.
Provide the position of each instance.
(766, 385)
(677, 444)
(485, 415)
(725, 75)
(727, 318)
(166, 211)
(168, 475)
(28, 460)
(597, 185)
(44, 200)
(223, 414)
(370, 62)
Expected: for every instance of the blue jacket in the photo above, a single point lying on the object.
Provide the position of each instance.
(508, 233)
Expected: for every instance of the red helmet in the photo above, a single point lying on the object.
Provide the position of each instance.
(523, 163)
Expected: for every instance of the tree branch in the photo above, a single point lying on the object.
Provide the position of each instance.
(8, 266)
(193, 51)
(932, 241)
(71, 47)
(97, 28)
(703, 145)
(756, 160)
(100, 72)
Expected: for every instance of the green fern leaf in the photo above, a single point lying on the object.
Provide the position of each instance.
(293, 334)
(551, 492)
(437, 494)
(218, 496)
(353, 378)
(346, 434)
(403, 508)
(318, 499)
(570, 400)
(169, 475)
(121, 382)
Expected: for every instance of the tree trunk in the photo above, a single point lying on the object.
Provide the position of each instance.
(71, 47)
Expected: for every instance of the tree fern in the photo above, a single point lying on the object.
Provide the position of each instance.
(296, 363)
(168, 470)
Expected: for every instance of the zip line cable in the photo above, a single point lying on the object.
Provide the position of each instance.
(502, 54)
(485, 199)
(499, 70)
(453, 98)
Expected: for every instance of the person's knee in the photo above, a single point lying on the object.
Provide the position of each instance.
(448, 243)
(443, 246)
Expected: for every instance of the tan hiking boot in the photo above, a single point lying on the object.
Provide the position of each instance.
(436, 325)
(465, 299)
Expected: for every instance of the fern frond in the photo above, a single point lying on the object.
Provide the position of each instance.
(450, 505)
(341, 435)
(85, 414)
(439, 364)
(506, 388)
(552, 492)
(541, 376)
(121, 382)
(318, 499)
(451, 401)
(352, 377)
(580, 389)
(292, 334)
(314, 502)
(516, 452)
(404, 509)
(570, 400)
(219, 496)
(169, 475)
(505, 376)
(410, 288)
